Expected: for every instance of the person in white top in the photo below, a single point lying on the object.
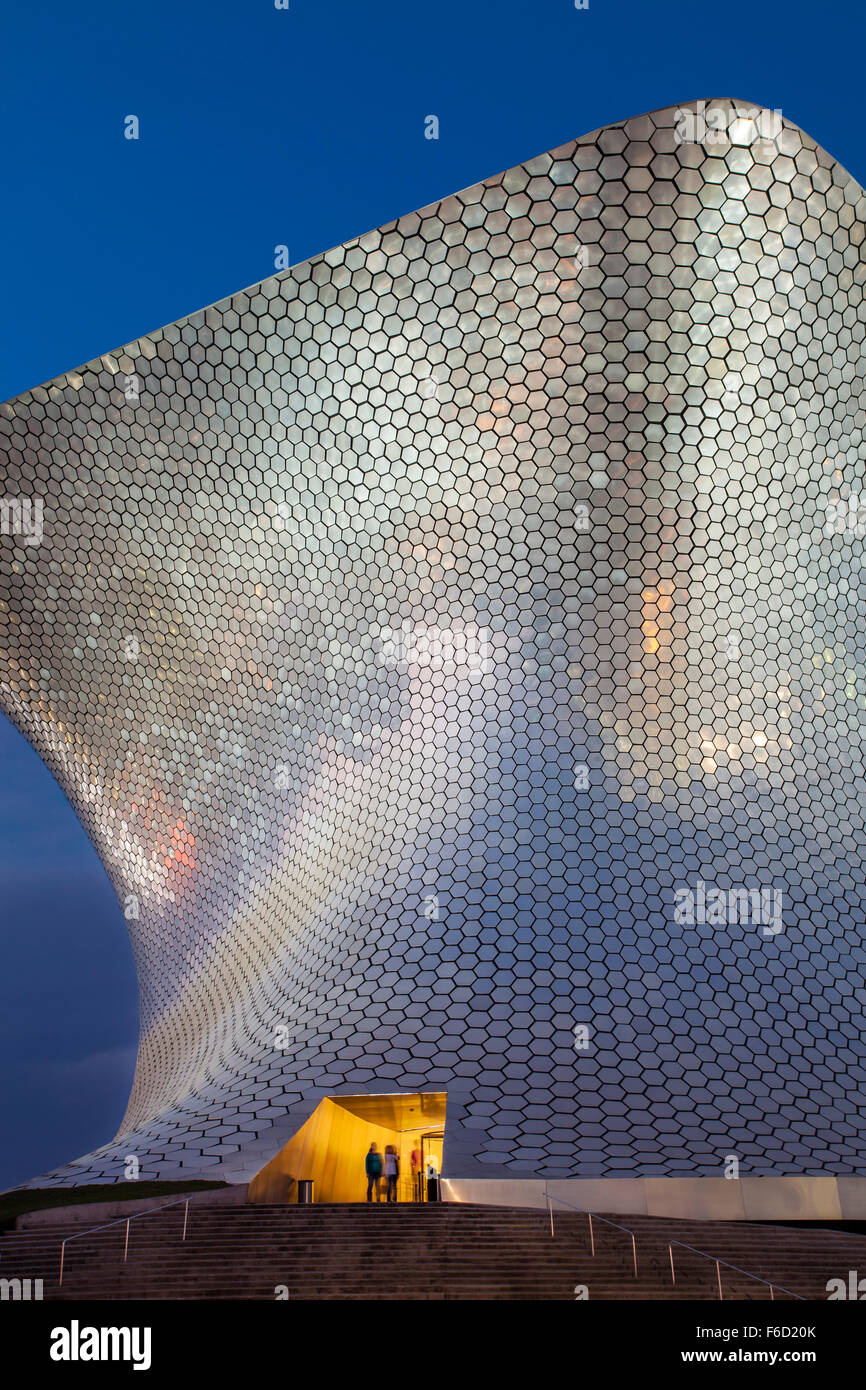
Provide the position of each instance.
(392, 1172)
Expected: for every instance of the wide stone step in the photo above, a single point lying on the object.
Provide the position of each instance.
(465, 1252)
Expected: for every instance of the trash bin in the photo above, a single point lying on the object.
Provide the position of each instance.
(305, 1192)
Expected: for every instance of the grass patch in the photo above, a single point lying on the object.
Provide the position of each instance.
(14, 1204)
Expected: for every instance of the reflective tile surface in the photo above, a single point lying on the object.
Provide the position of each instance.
(457, 641)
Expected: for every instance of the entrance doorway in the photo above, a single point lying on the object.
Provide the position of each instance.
(331, 1146)
(431, 1160)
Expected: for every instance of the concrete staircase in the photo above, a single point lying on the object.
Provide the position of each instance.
(447, 1251)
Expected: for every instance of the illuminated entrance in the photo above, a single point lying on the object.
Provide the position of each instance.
(331, 1147)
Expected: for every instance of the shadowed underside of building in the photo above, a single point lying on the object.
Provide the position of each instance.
(454, 648)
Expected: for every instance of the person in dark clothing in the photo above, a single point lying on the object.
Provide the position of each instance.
(392, 1171)
(373, 1167)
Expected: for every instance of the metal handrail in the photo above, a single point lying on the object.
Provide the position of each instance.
(148, 1211)
(552, 1197)
(771, 1285)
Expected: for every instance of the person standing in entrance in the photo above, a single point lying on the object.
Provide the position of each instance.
(392, 1171)
(373, 1167)
(415, 1160)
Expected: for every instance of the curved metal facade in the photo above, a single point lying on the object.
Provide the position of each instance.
(456, 642)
